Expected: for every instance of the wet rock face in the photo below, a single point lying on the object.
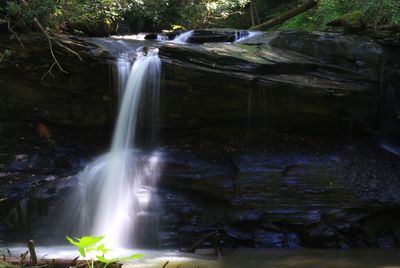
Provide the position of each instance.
(305, 80)
(270, 141)
(304, 199)
(80, 98)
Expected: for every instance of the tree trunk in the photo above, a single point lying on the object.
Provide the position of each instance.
(256, 12)
(252, 14)
(285, 16)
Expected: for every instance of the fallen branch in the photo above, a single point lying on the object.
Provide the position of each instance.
(54, 263)
(50, 40)
(32, 252)
(22, 258)
(14, 34)
(62, 263)
(285, 16)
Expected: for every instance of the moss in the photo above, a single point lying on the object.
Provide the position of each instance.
(353, 21)
(7, 265)
(353, 16)
(302, 21)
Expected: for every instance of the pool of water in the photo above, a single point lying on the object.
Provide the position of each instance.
(240, 258)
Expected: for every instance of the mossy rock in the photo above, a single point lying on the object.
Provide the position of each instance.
(350, 22)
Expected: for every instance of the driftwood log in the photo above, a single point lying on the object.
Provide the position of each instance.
(54, 263)
(285, 16)
(21, 261)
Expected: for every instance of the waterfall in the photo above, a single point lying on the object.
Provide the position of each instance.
(243, 36)
(123, 67)
(389, 127)
(116, 197)
(239, 36)
(183, 37)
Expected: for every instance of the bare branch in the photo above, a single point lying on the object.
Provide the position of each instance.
(14, 34)
(48, 72)
(50, 39)
(68, 49)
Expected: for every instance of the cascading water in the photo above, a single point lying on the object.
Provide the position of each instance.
(123, 66)
(183, 37)
(389, 127)
(116, 191)
(240, 37)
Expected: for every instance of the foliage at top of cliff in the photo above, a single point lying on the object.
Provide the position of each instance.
(110, 16)
(375, 13)
(103, 17)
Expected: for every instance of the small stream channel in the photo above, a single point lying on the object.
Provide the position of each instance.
(240, 258)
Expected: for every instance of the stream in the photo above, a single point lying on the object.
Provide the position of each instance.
(271, 258)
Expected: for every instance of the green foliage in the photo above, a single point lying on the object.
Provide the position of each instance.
(187, 13)
(91, 244)
(7, 265)
(303, 21)
(87, 244)
(98, 17)
(23, 16)
(5, 55)
(102, 17)
(373, 12)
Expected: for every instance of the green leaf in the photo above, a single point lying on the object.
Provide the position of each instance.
(132, 257)
(72, 241)
(101, 248)
(82, 251)
(105, 260)
(108, 261)
(89, 241)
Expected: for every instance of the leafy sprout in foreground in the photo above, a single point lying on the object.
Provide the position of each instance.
(91, 244)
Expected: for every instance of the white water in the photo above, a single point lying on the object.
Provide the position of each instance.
(124, 67)
(139, 37)
(116, 198)
(242, 38)
(239, 36)
(161, 37)
(183, 37)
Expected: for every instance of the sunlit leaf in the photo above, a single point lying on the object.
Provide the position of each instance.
(82, 251)
(132, 257)
(101, 248)
(89, 241)
(72, 241)
(107, 261)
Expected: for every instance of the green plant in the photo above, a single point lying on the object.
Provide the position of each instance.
(92, 245)
(5, 55)
(7, 265)
(374, 13)
(23, 16)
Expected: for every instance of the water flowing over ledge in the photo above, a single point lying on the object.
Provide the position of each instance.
(115, 196)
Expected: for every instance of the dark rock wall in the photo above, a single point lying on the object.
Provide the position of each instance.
(82, 97)
(273, 142)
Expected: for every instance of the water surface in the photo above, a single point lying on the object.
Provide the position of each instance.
(242, 258)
